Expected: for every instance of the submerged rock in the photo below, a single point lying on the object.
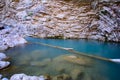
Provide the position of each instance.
(77, 74)
(43, 63)
(77, 60)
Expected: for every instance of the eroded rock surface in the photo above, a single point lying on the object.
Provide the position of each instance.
(3, 63)
(59, 19)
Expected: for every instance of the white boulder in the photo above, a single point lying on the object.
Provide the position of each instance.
(5, 79)
(2, 56)
(25, 77)
(4, 64)
(0, 76)
(17, 76)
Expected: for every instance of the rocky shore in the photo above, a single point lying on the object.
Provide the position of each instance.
(3, 64)
(98, 20)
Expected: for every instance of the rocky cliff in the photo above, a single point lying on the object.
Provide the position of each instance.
(89, 19)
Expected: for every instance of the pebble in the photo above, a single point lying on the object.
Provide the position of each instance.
(0, 76)
(5, 79)
(41, 77)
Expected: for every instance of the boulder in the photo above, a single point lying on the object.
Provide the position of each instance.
(0, 76)
(4, 64)
(18, 76)
(5, 79)
(23, 76)
(19, 40)
(2, 56)
(14, 40)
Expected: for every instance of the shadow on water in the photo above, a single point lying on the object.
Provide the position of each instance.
(38, 59)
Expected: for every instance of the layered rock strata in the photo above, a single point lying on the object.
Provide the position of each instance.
(59, 19)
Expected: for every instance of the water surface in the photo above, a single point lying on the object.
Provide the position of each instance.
(36, 59)
(104, 49)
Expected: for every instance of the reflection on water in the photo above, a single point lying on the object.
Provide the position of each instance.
(35, 59)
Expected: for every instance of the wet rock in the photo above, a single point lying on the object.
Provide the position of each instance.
(77, 60)
(5, 79)
(41, 77)
(14, 40)
(25, 77)
(2, 56)
(0, 76)
(3, 46)
(17, 76)
(4, 64)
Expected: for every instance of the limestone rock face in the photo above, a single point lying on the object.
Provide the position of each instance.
(109, 22)
(2, 4)
(21, 15)
(59, 19)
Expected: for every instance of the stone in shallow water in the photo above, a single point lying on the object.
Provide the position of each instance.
(24, 60)
(17, 76)
(5, 79)
(0, 76)
(25, 77)
(3, 46)
(2, 56)
(41, 77)
(4, 64)
(78, 60)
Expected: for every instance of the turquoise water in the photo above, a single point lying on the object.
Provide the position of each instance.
(104, 49)
(36, 59)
